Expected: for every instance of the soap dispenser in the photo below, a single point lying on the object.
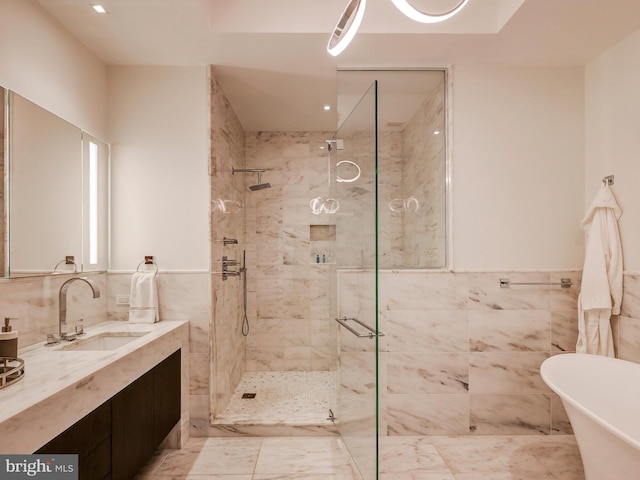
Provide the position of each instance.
(8, 340)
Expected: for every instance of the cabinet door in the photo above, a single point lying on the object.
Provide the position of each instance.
(90, 439)
(132, 428)
(166, 394)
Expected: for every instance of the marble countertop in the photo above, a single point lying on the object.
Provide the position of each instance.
(61, 386)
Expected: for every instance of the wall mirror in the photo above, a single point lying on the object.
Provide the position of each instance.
(413, 201)
(56, 194)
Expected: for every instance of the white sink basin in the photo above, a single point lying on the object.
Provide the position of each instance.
(103, 341)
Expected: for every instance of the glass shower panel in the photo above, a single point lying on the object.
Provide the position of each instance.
(353, 161)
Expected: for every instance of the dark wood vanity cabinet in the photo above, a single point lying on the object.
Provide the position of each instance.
(132, 427)
(166, 395)
(90, 439)
(117, 439)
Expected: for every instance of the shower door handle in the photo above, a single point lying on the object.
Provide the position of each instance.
(371, 332)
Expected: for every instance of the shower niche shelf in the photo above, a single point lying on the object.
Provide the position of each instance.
(322, 244)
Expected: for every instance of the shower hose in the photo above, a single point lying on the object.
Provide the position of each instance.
(245, 319)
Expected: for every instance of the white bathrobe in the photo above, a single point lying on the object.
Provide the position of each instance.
(601, 289)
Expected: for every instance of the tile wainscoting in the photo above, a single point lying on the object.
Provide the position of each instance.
(462, 355)
(181, 296)
(486, 342)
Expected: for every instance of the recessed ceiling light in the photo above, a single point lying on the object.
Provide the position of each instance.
(327, 107)
(99, 8)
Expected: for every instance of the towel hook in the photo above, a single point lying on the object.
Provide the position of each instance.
(148, 260)
(608, 180)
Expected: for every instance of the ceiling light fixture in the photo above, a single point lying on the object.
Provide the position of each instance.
(423, 17)
(99, 8)
(347, 27)
(351, 18)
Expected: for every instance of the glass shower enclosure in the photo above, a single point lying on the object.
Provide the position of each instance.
(354, 187)
(389, 189)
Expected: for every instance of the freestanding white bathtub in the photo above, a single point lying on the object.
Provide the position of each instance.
(602, 398)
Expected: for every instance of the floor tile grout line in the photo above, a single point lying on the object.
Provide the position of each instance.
(255, 465)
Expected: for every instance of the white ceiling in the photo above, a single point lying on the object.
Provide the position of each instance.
(270, 55)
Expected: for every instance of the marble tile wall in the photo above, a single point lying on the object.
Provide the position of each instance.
(181, 296)
(462, 355)
(411, 191)
(355, 221)
(34, 302)
(227, 344)
(627, 328)
(290, 292)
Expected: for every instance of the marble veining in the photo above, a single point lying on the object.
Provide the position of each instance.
(461, 355)
(460, 457)
(60, 387)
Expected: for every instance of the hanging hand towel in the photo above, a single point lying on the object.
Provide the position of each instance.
(601, 289)
(143, 301)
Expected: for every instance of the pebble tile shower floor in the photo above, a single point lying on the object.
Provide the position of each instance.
(282, 398)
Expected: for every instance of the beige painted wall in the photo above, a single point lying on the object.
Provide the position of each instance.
(613, 142)
(159, 160)
(518, 167)
(44, 63)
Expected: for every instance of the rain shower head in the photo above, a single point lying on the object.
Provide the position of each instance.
(260, 186)
(259, 171)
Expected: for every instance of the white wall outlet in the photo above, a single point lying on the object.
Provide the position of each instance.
(122, 299)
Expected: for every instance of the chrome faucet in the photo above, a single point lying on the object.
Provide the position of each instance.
(62, 304)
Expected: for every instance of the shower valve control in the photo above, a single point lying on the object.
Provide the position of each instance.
(227, 262)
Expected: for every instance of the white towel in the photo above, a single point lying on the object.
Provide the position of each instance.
(601, 289)
(143, 301)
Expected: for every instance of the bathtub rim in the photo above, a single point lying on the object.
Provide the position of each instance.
(551, 362)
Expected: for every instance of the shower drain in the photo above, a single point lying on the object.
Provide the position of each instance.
(248, 395)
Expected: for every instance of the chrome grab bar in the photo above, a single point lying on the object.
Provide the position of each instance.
(371, 331)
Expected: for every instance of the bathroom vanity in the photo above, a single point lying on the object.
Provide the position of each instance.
(112, 402)
(117, 439)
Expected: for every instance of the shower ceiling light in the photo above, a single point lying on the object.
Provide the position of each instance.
(346, 27)
(351, 18)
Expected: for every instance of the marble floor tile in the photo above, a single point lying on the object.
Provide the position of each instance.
(461, 457)
(410, 455)
(201, 477)
(306, 476)
(153, 464)
(313, 456)
(522, 457)
(502, 476)
(209, 456)
(416, 476)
